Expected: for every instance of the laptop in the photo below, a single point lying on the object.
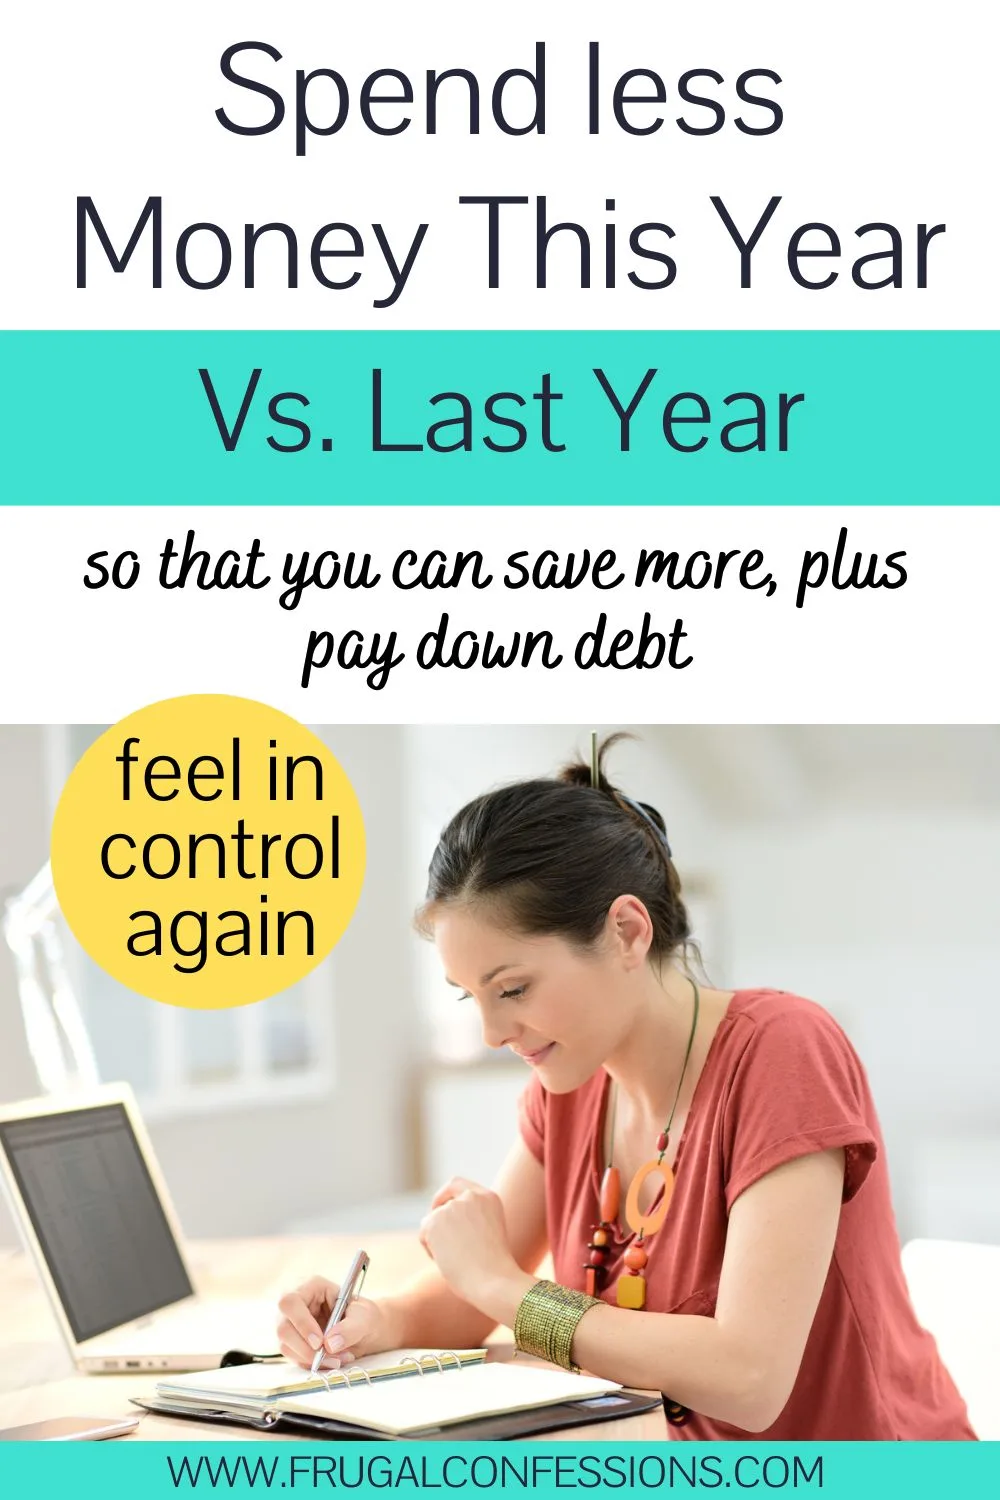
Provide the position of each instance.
(88, 1195)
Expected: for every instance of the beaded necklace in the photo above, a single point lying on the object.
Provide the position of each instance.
(631, 1285)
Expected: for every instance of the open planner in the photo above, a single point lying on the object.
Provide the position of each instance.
(404, 1393)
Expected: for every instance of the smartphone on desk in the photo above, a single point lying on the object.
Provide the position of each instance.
(66, 1429)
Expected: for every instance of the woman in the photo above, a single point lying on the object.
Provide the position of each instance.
(705, 1166)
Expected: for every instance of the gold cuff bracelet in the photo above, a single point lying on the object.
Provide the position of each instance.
(546, 1321)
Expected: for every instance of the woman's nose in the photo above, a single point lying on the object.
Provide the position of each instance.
(495, 1032)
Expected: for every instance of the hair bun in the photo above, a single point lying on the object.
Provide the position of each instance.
(579, 773)
(576, 774)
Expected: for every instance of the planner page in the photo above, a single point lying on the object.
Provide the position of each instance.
(459, 1396)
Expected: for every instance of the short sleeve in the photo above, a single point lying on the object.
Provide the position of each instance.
(798, 1088)
(531, 1118)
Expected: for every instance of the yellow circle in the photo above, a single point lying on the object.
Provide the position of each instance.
(208, 851)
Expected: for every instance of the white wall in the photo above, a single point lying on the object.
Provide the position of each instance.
(891, 923)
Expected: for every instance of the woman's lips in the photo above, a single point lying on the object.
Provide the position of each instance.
(536, 1057)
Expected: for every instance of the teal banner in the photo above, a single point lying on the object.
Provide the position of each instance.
(413, 418)
(837, 1471)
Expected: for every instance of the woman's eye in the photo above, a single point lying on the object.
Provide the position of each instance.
(514, 993)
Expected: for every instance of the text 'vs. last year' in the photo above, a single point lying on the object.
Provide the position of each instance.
(397, 420)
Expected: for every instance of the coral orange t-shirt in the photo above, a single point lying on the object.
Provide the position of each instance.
(781, 1080)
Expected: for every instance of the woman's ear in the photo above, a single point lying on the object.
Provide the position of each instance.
(629, 929)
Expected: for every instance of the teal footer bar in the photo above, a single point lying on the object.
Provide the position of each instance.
(841, 1471)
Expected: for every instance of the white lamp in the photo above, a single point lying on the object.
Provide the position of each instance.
(53, 1023)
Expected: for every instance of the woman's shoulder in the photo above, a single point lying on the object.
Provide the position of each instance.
(769, 1021)
(788, 1082)
(760, 1009)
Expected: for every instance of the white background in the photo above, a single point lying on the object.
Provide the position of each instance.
(890, 114)
(924, 651)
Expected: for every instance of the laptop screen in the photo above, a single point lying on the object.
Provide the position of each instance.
(96, 1215)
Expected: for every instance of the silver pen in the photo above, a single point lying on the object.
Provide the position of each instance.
(349, 1289)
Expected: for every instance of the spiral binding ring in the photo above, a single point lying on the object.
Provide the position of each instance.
(345, 1377)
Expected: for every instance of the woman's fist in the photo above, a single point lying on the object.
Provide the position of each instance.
(465, 1234)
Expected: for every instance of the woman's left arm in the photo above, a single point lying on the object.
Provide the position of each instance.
(740, 1365)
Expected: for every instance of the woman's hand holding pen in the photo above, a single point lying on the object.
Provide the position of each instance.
(465, 1234)
(305, 1313)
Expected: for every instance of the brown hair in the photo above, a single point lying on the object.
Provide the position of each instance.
(553, 854)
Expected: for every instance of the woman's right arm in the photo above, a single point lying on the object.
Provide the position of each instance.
(428, 1314)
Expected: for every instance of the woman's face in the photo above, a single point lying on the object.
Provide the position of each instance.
(562, 1010)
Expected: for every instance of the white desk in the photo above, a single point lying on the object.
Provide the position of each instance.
(37, 1378)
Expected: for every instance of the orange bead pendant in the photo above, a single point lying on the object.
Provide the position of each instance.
(636, 1257)
(611, 1195)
